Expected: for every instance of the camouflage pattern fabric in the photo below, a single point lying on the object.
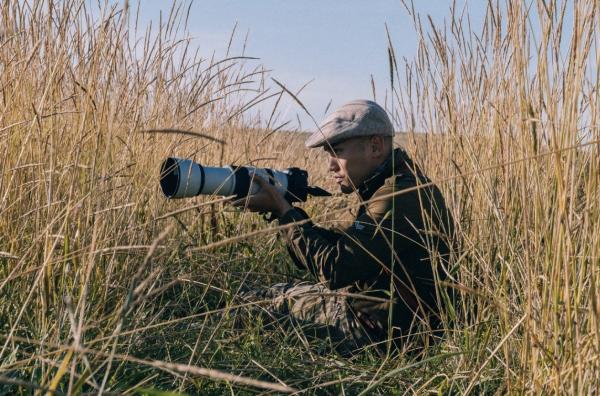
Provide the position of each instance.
(316, 310)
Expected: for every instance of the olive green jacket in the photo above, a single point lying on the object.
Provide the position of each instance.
(386, 256)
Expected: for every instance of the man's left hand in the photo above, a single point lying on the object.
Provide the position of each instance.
(267, 199)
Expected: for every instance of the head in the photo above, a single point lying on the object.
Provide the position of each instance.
(358, 137)
(353, 160)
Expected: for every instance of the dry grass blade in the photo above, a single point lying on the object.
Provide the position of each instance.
(198, 206)
(8, 256)
(297, 100)
(182, 132)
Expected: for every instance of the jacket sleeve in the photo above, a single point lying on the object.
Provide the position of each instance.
(361, 252)
(296, 215)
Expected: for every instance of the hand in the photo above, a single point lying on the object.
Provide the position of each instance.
(267, 199)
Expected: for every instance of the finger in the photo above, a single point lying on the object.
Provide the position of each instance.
(258, 179)
(240, 202)
(264, 184)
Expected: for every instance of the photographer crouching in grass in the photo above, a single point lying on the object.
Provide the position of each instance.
(377, 282)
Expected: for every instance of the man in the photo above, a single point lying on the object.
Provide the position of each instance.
(377, 277)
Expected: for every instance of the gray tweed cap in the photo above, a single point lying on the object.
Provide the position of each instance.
(356, 118)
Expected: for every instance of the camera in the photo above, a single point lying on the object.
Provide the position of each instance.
(183, 178)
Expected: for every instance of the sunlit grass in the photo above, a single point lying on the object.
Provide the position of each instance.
(105, 285)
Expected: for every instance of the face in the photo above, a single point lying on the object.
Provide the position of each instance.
(352, 161)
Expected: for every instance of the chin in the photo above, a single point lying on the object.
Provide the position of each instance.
(346, 189)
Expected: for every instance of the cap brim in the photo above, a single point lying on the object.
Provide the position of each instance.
(316, 139)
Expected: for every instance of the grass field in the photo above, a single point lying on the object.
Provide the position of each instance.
(107, 287)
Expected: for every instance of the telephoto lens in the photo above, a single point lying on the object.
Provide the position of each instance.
(183, 178)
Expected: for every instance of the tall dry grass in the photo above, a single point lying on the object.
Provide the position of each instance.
(513, 116)
(106, 287)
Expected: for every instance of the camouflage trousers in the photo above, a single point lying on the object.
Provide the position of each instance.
(317, 311)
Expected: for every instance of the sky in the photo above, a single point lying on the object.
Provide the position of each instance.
(334, 45)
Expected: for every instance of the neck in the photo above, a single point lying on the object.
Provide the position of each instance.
(376, 177)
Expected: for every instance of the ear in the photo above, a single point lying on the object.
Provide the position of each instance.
(376, 145)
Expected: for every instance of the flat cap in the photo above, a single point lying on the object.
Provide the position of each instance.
(354, 119)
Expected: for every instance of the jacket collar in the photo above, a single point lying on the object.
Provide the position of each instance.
(396, 163)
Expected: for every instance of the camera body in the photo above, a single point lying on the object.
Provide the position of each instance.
(183, 178)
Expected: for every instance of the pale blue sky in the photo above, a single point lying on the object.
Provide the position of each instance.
(338, 44)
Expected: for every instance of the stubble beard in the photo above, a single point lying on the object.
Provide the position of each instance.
(346, 189)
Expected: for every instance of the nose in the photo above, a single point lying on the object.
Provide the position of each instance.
(334, 165)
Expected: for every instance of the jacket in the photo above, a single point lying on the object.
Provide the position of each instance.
(390, 255)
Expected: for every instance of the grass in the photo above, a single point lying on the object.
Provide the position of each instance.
(106, 287)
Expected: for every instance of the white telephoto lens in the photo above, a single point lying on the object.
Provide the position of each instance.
(218, 181)
(190, 179)
(181, 178)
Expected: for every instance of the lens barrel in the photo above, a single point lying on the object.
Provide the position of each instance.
(181, 178)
